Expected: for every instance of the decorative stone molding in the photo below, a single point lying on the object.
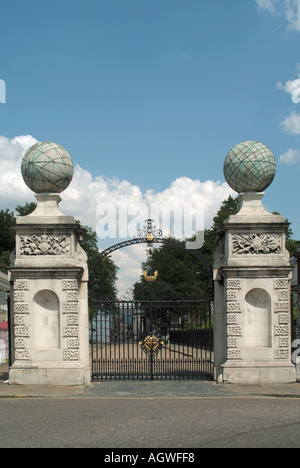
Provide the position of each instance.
(281, 353)
(233, 283)
(80, 255)
(284, 342)
(283, 295)
(231, 295)
(281, 306)
(21, 308)
(72, 296)
(20, 343)
(234, 307)
(71, 311)
(44, 245)
(73, 343)
(281, 330)
(234, 354)
(72, 319)
(71, 331)
(232, 342)
(19, 319)
(22, 331)
(21, 311)
(21, 284)
(69, 284)
(70, 308)
(234, 330)
(281, 283)
(256, 244)
(19, 296)
(22, 354)
(283, 318)
(71, 354)
(232, 319)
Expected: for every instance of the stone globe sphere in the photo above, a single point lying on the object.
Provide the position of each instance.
(249, 167)
(47, 168)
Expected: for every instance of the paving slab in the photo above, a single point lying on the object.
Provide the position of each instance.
(147, 390)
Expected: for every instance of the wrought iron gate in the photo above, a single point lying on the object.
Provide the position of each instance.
(151, 340)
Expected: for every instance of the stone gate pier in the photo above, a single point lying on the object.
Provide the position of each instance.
(49, 304)
(252, 318)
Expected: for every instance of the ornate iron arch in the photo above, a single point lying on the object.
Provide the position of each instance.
(150, 235)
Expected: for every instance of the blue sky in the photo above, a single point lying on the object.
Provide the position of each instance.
(151, 92)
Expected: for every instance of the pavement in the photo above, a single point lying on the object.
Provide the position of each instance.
(147, 390)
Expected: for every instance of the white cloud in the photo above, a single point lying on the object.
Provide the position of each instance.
(288, 87)
(12, 187)
(291, 157)
(129, 261)
(267, 5)
(291, 124)
(86, 193)
(292, 13)
(290, 9)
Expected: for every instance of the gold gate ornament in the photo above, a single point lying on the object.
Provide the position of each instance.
(151, 344)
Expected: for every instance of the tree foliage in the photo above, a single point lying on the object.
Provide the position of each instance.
(105, 271)
(180, 274)
(7, 236)
(103, 274)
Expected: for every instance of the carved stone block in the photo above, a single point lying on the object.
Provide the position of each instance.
(21, 308)
(234, 330)
(44, 244)
(234, 307)
(231, 319)
(69, 284)
(281, 306)
(281, 330)
(256, 244)
(22, 354)
(281, 353)
(21, 284)
(234, 354)
(71, 354)
(234, 283)
(70, 308)
(71, 331)
(281, 283)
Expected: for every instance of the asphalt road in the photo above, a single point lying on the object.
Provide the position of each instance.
(177, 423)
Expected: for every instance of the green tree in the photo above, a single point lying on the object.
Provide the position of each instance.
(181, 275)
(7, 238)
(103, 273)
(25, 210)
(229, 207)
(7, 235)
(290, 243)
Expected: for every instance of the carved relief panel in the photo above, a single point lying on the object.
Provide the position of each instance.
(71, 320)
(233, 309)
(44, 245)
(256, 244)
(21, 322)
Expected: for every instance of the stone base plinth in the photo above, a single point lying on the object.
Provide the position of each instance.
(248, 373)
(49, 374)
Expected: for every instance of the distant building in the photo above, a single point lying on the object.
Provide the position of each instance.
(4, 289)
(4, 346)
(295, 262)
